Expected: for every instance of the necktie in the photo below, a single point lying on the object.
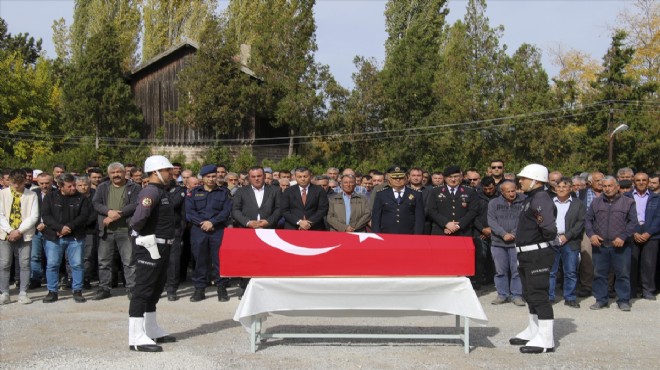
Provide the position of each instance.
(304, 195)
(399, 196)
(453, 192)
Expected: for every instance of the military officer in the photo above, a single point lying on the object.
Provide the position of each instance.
(153, 221)
(452, 207)
(208, 208)
(397, 209)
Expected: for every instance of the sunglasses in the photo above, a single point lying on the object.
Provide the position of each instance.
(496, 167)
(473, 180)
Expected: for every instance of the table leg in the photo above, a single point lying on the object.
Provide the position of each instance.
(253, 335)
(466, 339)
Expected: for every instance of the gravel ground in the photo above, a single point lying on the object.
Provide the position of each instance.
(94, 335)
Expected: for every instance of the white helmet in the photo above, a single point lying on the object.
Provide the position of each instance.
(535, 172)
(155, 163)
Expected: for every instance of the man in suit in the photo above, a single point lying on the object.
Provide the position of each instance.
(452, 207)
(645, 238)
(570, 227)
(397, 209)
(348, 210)
(304, 205)
(256, 206)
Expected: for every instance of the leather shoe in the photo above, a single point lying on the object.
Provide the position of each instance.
(34, 284)
(531, 349)
(50, 297)
(102, 294)
(198, 295)
(517, 341)
(598, 306)
(78, 297)
(650, 297)
(222, 294)
(165, 339)
(146, 348)
(573, 304)
(582, 293)
(172, 297)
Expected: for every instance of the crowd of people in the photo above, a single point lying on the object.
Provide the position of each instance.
(607, 227)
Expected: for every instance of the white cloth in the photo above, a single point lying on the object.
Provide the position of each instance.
(349, 297)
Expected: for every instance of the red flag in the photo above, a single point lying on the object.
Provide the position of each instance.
(269, 252)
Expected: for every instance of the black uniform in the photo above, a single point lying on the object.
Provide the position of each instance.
(403, 216)
(537, 230)
(154, 215)
(443, 207)
(177, 195)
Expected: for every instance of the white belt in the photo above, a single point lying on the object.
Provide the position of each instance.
(532, 247)
(165, 241)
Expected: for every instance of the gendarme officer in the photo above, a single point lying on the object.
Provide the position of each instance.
(535, 237)
(397, 209)
(154, 223)
(208, 208)
(452, 207)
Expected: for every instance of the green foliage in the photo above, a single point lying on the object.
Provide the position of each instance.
(90, 17)
(243, 160)
(221, 95)
(169, 22)
(97, 100)
(23, 44)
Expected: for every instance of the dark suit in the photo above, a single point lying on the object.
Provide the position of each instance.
(245, 206)
(569, 252)
(388, 216)
(645, 255)
(314, 210)
(443, 208)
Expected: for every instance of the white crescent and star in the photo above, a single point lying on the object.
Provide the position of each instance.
(270, 237)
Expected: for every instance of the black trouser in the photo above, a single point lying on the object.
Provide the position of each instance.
(643, 262)
(150, 278)
(174, 268)
(534, 271)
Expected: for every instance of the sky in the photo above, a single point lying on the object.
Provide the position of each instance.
(346, 28)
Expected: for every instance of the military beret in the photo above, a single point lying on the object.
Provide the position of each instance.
(451, 170)
(209, 168)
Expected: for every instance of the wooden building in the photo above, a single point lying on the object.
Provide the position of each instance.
(154, 87)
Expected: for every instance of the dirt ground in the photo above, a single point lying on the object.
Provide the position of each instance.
(94, 335)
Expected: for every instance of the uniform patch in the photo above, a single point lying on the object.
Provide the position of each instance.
(146, 202)
(411, 197)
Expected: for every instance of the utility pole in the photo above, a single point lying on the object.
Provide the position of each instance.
(611, 141)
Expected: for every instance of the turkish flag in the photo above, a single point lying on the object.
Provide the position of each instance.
(294, 253)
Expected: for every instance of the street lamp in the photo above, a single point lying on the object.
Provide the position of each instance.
(622, 127)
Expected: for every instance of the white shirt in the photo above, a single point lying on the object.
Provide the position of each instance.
(562, 208)
(259, 194)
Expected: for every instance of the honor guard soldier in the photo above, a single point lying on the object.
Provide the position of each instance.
(208, 208)
(154, 224)
(536, 237)
(397, 209)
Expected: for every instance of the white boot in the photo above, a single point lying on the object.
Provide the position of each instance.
(137, 338)
(544, 340)
(530, 332)
(154, 331)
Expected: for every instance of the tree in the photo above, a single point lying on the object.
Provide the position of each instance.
(169, 22)
(23, 44)
(282, 37)
(29, 104)
(91, 16)
(577, 73)
(221, 95)
(469, 87)
(97, 99)
(643, 29)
